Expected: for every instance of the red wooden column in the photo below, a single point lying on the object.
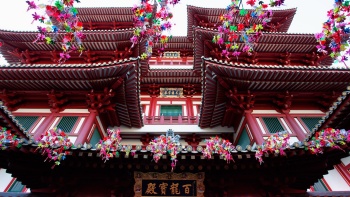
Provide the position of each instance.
(295, 127)
(44, 126)
(86, 128)
(152, 106)
(254, 128)
(189, 106)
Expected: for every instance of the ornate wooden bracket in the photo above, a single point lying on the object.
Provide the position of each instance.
(326, 100)
(193, 140)
(146, 139)
(101, 101)
(314, 58)
(26, 57)
(239, 101)
(56, 101)
(90, 57)
(121, 55)
(189, 90)
(10, 100)
(54, 56)
(285, 58)
(252, 59)
(284, 101)
(154, 90)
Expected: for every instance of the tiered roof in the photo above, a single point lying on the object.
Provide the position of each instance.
(262, 85)
(32, 83)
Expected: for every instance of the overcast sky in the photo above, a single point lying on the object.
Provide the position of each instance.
(309, 18)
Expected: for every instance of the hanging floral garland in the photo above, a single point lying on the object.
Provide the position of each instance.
(328, 138)
(59, 17)
(334, 30)
(151, 27)
(276, 143)
(233, 30)
(8, 139)
(165, 144)
(217, 145)
(54, 144)
(109, 145)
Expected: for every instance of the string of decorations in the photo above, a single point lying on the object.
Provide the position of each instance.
(54, 143)
(236, 26)
(165, 144)
(109, 145)
(150, 26)
(276, 144)
(335, 32)
(217, 145)
(61, 16)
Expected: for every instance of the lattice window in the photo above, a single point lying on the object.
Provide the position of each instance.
(273, 124)
(67, 123)
(27, 121)
(95, 138)
(244, 139)
(16, 187)
(310, 122)
(171, 110)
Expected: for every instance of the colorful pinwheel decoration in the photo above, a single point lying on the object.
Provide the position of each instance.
(109, 145)
(150, 25)
(217, 145)
(329, 137)
(61, 16)
(165, 144)
(54, 143)
(232, 30)
(7, 139)
(334, 38)
(276, 144)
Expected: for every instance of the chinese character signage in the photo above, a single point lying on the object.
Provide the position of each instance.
(169, 188)
(171, 92)
(169, 184)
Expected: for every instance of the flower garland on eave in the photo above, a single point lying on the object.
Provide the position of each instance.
(151, 27)
(109, 145)
(276, 143)
(61, 16)
(165, 144)
(328, 138)
(54, 143)
(217, 145)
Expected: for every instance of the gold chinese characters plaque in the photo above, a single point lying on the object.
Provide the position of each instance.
(154, 184)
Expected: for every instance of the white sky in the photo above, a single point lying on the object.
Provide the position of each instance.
(309, 18)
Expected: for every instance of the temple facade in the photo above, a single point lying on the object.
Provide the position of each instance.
(189, 88)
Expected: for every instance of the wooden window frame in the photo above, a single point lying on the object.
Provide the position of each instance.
(299, 116)
(278, 116)
(79, 115)
(39, 115)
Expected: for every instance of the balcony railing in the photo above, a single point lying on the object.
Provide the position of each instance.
(166, 120)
